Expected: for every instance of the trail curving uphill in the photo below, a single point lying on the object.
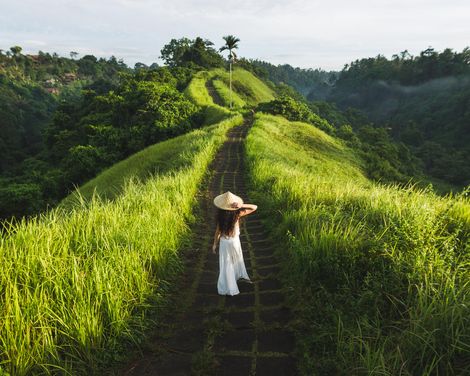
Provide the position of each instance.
(217, 335)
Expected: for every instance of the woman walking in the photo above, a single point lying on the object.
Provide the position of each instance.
(232, 267)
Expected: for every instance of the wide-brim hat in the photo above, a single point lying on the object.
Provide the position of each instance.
(226, 200)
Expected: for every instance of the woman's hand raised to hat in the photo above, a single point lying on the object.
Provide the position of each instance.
(235, 205)
(247, 209)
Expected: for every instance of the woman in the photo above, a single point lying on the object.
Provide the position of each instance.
(232, 267)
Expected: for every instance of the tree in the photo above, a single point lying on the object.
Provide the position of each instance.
(16, 50)
(73, 54)
(140, 65)
(231, 43)
(195, 53)
(172, 53)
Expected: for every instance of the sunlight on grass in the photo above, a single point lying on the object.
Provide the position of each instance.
(197, 92)
(381, 272)
(76, 281)
(246, 86)
(224, 93)
(248, 90)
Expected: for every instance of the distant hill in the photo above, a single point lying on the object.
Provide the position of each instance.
(313, 83)
(424, 99)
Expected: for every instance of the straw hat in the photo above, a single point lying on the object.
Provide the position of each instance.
(225, 201)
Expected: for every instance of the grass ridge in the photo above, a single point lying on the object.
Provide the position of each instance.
(381, 271)
(76, 282)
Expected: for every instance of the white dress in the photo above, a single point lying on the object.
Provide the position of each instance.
(231, 264)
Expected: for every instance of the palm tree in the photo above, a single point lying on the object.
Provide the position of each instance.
(231, 43)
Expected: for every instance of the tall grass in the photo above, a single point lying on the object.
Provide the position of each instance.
(382, 273)
(248, 90)
(246, 86)
(197, 92)
(76, 283)
(156, 159)
(224, 92)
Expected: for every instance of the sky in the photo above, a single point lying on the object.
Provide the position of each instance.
(306, 33)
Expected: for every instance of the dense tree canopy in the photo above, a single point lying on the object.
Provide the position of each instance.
(424, 99)
(63, 120)
(195, 53)
(313, 82)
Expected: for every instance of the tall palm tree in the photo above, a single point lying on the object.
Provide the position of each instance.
(231, 43)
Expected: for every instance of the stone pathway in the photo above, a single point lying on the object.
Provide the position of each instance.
(210, 334)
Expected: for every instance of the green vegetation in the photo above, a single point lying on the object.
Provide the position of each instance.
(197, 53)
(197, 92)
(80, 116)
(231, 44)
(248, 90)
(380, 274)
(249, 87)
(423, 99)
(314, 83)
(99, 113)
(157, 159)
(77, 282)
(422, 102)
(385, 160)
(246, 86)
(104, 128)
(224, 92)
(31, 89)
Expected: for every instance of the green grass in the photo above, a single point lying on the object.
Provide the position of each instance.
(76, 282)
(380, 273)
(197, 92)
(157, 159)
(224, 92)
(248, 90)
(246, 86)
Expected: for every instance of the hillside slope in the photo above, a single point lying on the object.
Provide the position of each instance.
(169, 156)
(208, 87)
(77, 281)
(379, 273)
(165, 156)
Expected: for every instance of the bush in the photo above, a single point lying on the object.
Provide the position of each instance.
(287, 107)
(19, 199)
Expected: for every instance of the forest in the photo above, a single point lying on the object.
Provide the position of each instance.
(62, 120)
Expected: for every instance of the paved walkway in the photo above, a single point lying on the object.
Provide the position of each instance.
(210, 334)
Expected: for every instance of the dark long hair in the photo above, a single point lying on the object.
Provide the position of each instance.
(226, 220)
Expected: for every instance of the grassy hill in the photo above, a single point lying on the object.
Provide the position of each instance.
(379, 273)
(248, 91)
(165, 157)
(81, 276)
(77, 280)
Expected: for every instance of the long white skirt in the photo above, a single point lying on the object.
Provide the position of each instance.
(231, 264)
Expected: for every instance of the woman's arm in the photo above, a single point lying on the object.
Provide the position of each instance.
(247, 209)
(216, 239)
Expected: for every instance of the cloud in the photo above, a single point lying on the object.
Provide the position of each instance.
(300, 32)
